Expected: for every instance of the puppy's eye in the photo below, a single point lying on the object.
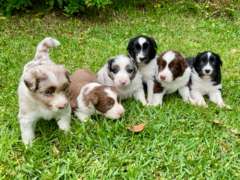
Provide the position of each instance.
(50, 91)
(115, 70)
(130, 70)
(138, 47)
(145, 46)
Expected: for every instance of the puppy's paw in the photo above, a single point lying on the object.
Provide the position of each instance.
(64, 125)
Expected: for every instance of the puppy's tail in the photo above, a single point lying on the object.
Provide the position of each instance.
(43, 48)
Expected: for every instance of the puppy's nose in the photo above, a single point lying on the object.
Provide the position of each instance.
(121, 112)
(163, 78)
(123, 82)
(142, 58)
(207, 71)
(62, 106)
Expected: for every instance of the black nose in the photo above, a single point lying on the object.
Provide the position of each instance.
(207, 71)
(142, 59)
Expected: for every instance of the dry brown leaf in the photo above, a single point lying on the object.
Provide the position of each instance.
(55, 150)
(217, 122)
(235, 132)
(137, 128)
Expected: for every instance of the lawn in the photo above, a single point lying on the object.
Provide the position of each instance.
(179, 140)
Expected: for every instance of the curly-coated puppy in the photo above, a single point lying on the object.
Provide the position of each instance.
(43, 92)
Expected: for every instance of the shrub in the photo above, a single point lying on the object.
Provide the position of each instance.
(69, 6)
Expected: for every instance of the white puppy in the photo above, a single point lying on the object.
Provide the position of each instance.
(89, 97)
(122, 73)
(43, 92)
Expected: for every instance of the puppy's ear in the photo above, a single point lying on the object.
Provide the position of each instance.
(153, 42)
(130, 47)
(218, 59)
(67, 74)
(32, 79)
(110, 62)
(93, 98)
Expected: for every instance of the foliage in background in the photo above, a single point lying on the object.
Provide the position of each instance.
(73, 7)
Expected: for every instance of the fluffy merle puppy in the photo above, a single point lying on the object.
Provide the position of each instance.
(122, 73)
(173, 74)
(142, 49)
(206, 78)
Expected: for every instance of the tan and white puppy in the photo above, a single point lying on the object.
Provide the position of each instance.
(173, 74)
(89, 97)
(43, 92)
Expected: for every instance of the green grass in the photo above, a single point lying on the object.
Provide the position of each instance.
(179, 140)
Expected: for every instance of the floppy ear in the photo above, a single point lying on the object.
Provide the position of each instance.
(93, 98)
(130, 47)
(67, 74)
(153, 42)
(110, 62)
(32, 79)
(218, 59)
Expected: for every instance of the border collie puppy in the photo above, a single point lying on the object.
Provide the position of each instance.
(122, 73)
(206, 78)
(43, 92)
(142, 49)
(89, 97)
(173, 74)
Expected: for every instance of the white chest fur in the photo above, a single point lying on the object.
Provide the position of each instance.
(204, 86)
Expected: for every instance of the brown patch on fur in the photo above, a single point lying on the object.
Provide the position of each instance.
(157, 88)
(78, 79)
(161, 63)
(99, 98)
(177, 66)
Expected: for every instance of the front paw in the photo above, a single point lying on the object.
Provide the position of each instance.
(223, 105)
(64, 125)
(201, 103)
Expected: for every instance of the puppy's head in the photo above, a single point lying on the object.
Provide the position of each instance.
(142, 49)
(207, 64)
(171, 65)
(105, 100)
(121, 70)
(48, 84)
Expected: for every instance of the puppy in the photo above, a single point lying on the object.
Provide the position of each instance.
(87, 97)
(142, 49)
(43, 92)
(206, 78)
(122, 73)
(173, 74)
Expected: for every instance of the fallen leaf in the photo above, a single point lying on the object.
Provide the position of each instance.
(55, 150)
(217, 122)
(235, 132)
(137, 128)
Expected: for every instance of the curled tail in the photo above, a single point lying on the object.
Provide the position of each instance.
(43, 48)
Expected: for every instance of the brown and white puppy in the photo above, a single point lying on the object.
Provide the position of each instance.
(43, 92)
(87, 97)
(173, 74)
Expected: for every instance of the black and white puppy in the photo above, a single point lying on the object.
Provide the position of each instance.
(142, 49)
(206, 78)
(122, 73)
(173, 74)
